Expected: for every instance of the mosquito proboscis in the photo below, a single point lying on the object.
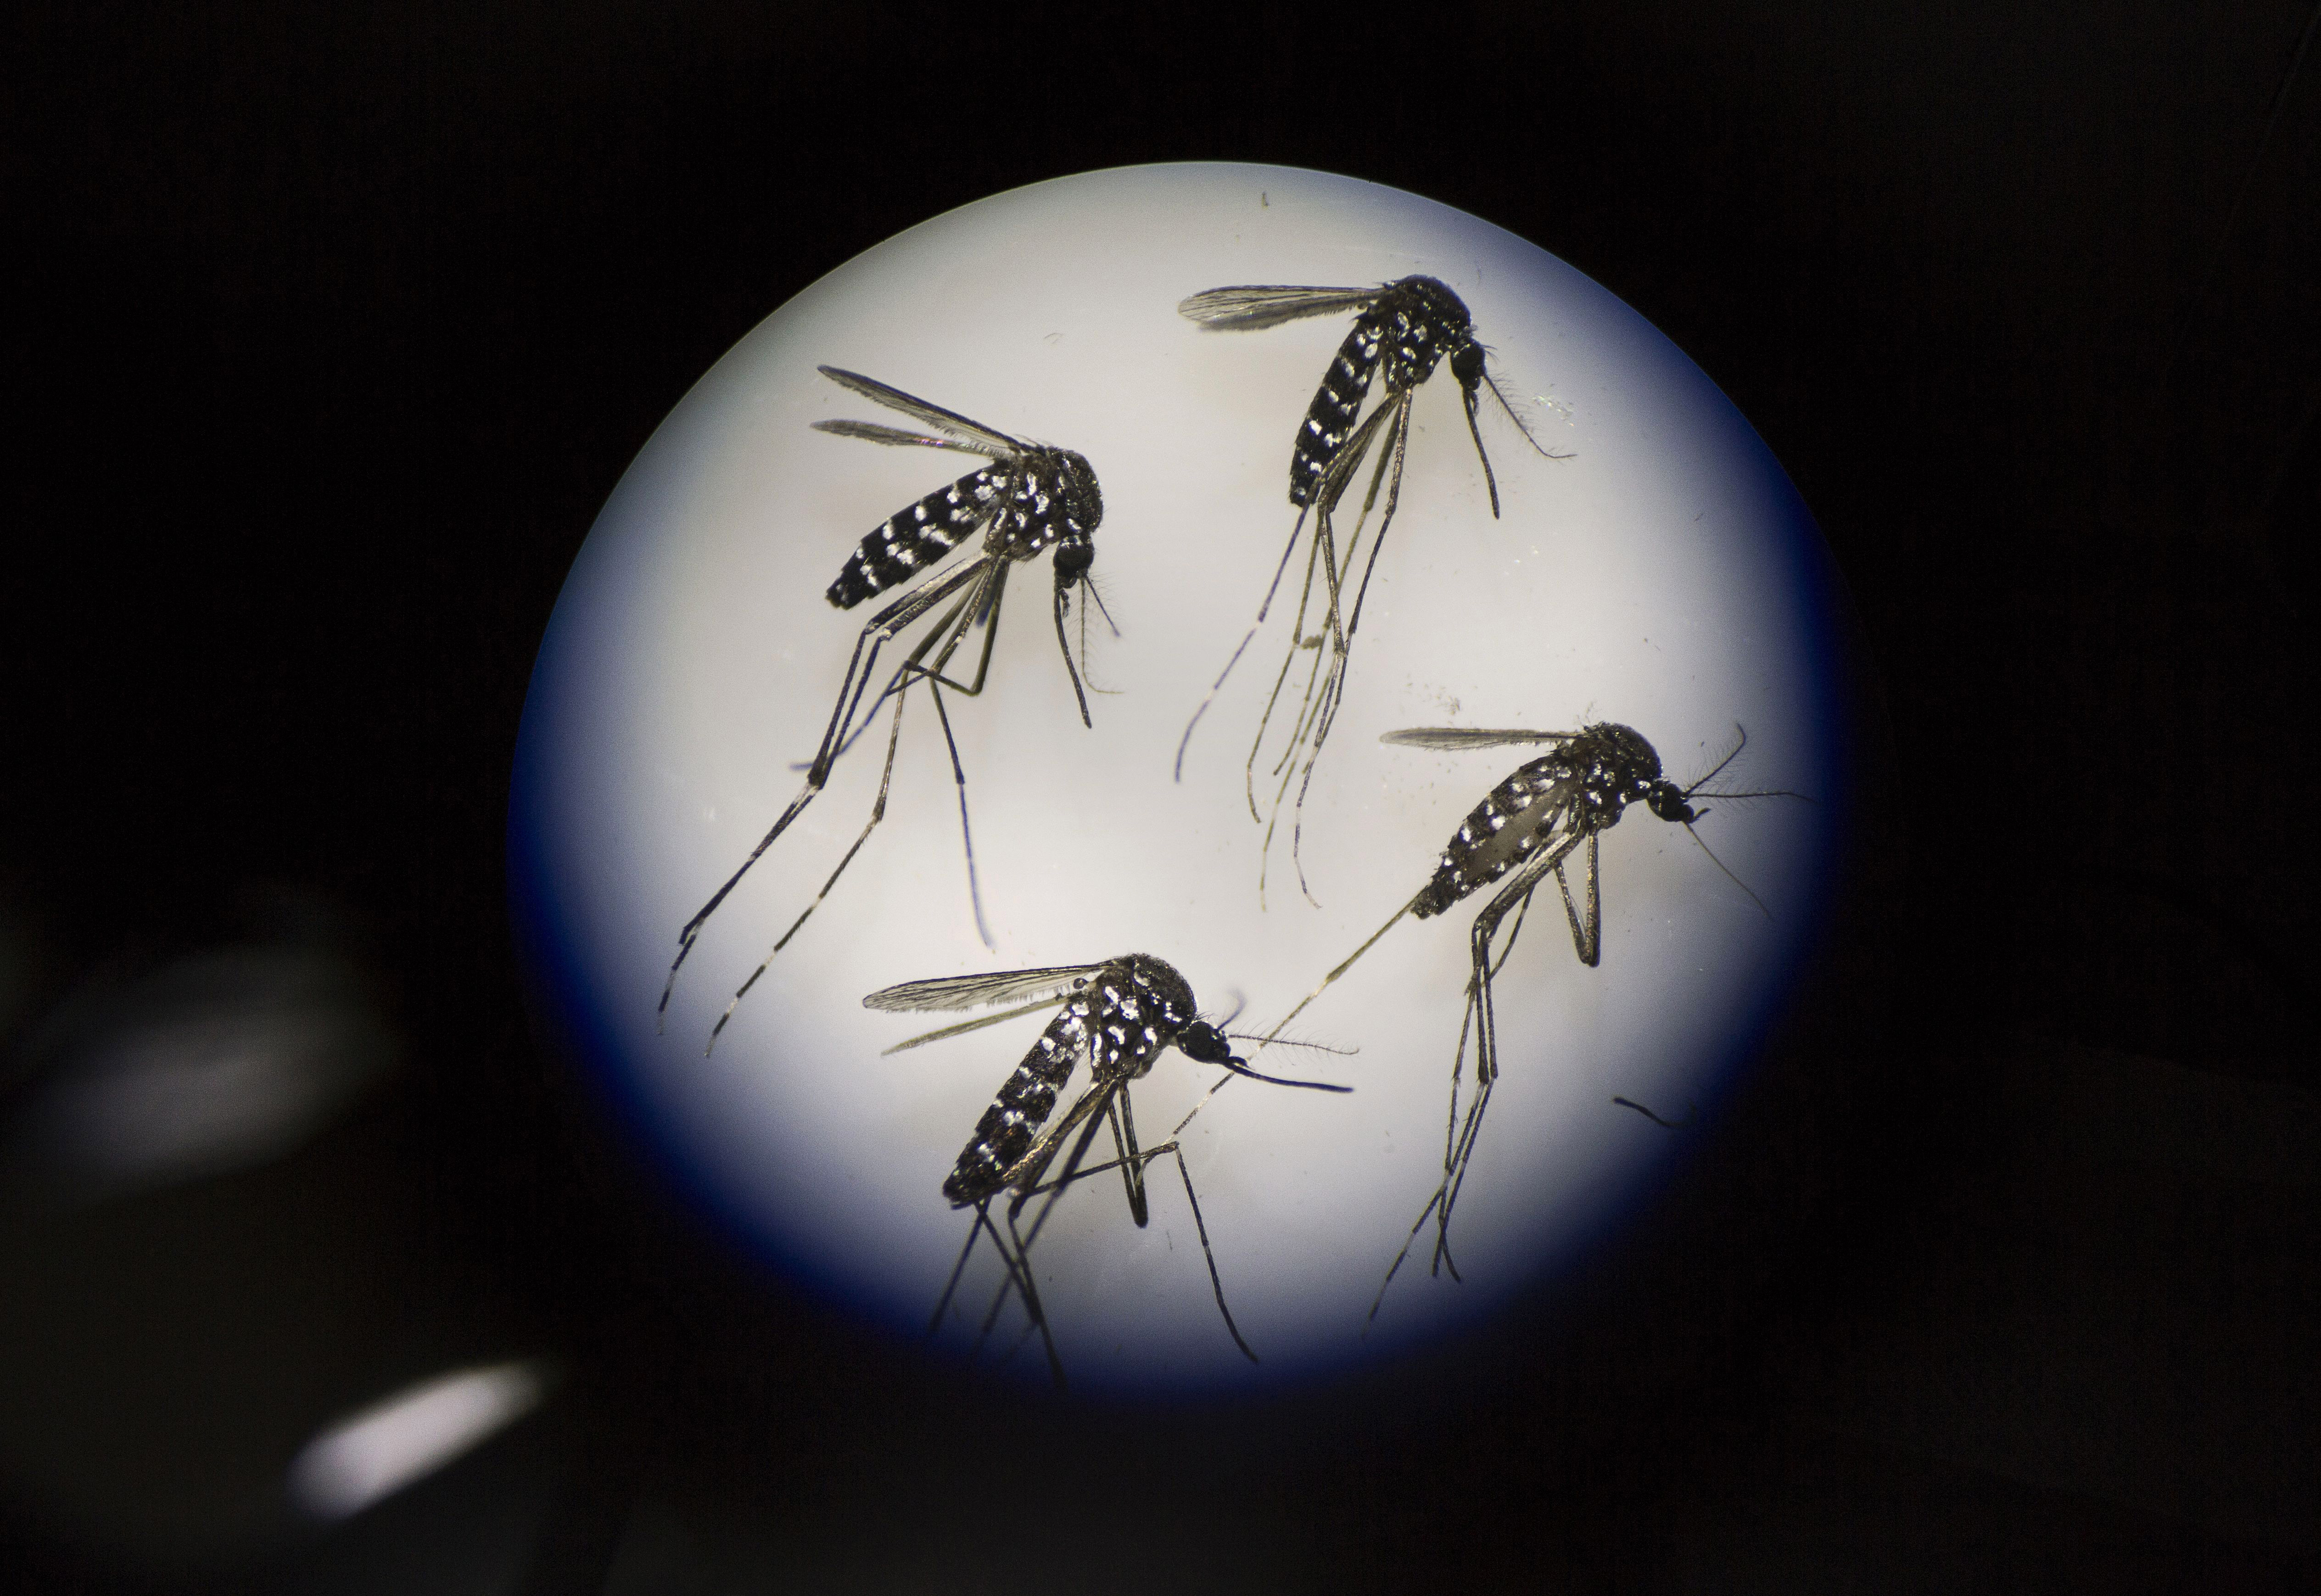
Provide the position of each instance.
(1117, 1016)
(1031, 497)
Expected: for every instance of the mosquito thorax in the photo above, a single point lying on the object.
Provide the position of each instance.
(1424, 320)
(1083, 499)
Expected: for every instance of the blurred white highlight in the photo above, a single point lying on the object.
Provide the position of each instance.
(216, 1063)
(376, 1453)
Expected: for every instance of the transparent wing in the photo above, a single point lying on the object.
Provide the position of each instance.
(974, 432)
(1459, 737)
(974, 991)
(1256, 306)
(871, 431)
(964, 1026)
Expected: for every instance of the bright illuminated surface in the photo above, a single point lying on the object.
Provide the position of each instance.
(1664, 575)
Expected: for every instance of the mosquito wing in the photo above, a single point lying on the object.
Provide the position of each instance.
(974, 992)
(1454, 738)
(972, 434)
(872, 433)
(1255, 306)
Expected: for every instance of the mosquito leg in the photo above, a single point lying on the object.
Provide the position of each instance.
(974, 1234)
(1449, 1151)
(966, 832)
(1399, 448)
(1216, 1284)
(903, 673)
(1020, 1272)
(1588, 936)
(1132, 1167)
(988, 608)
(1026, 1173)
(1466, 1153)
(1456, 1139)
(1508, 948)
(1142, 1157)
(878, 813)
(1217, 686)
(876, 633)
(1345, 965)
(1515, 898)
(1325, 707)
(1324, 504)
(1296, 641)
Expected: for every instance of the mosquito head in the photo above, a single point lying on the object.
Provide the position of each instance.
(1205, 1043)
(1083, 499)
(1670, 802)
(1467, 366)
(1072, 561)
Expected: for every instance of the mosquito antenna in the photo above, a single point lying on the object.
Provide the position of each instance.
(1344, 1053)
(1096, 599)
(1717, 769)
(1514, 415)
(1690, 1111)
(1729, 876)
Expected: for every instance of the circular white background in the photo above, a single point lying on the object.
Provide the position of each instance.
(1664, 575)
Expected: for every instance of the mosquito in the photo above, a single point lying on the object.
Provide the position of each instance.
(1119, 1015)
(1406, 327)
(1031, 497)
(1526, 829)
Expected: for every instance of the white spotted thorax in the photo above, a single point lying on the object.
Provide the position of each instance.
(1663, 576)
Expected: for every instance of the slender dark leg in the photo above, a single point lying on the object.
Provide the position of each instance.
(1588, 936)
(1326, 709)
(943, 644)
(1215, 686)
(876, 633)
(1132, 1166)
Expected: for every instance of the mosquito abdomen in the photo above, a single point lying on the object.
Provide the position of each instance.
(1330, 418)
(915, 538)
(1004, 1135)
(1515, 819)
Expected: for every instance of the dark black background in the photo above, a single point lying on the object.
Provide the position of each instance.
(331, 329)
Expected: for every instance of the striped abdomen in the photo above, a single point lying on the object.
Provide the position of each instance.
(915, 538)
(1330, 418)
(1514, 821)
(1004, 1135)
